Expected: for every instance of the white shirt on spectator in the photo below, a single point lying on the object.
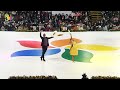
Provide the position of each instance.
(0, 15)
(40, 27)
(69, 25)
(88, 27)
(86, 19)
(73, 14)
(13, 12)
(64, 28)
(49, 25)
(105, 28)
(81, 27)
(34, 28)
(2, 28)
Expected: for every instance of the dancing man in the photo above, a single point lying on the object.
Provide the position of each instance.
(44, 44)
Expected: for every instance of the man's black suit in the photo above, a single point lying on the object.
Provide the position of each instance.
(44, 44)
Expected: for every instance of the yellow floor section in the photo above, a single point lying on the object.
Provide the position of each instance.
(95, 47)
(103, 55)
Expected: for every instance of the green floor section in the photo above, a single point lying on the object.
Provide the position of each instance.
(83, 56)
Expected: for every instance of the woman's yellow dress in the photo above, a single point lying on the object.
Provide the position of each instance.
(74, 49)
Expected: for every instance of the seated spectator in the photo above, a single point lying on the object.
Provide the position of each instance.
(2, 28)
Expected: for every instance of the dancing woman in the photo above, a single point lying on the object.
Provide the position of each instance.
(73, 48)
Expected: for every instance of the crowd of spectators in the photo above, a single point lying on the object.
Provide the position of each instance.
(46, 21)
(105, 77)
(33, 77)
(84, 76)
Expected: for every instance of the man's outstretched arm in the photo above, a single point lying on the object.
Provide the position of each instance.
(40, 35)
(50, 37)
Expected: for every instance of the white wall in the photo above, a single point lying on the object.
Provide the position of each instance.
(65, 12)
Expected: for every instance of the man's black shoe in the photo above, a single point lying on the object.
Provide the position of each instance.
(41, 58)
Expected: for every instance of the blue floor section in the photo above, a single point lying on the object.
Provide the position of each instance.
(35, 52)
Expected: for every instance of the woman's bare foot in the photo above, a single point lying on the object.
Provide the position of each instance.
(73, 60)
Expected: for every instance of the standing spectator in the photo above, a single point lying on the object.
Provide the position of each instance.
(84, 76)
